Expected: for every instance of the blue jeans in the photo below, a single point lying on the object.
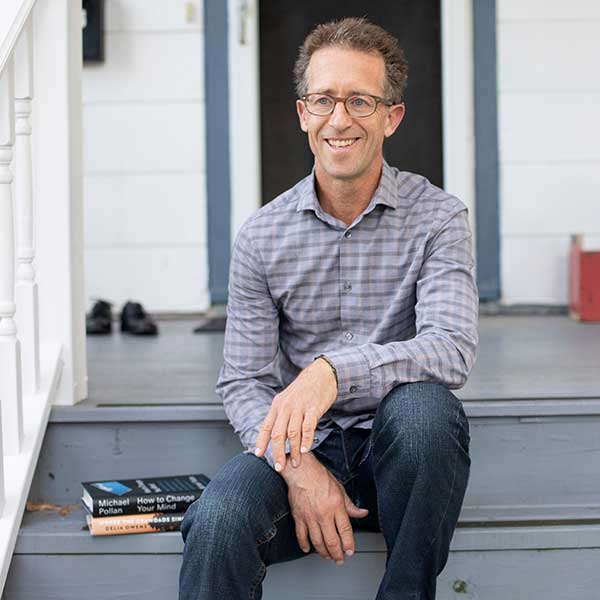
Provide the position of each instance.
(411, 471)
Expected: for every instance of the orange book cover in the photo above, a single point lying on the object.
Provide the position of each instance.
(123, 524)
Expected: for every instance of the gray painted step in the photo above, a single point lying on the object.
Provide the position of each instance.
(484, 564)
(47, 532)
(515, 459)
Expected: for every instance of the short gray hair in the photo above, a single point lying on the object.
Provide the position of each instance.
(356, 34)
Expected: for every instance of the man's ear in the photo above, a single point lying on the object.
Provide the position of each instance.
(394, 118)
(302, 115)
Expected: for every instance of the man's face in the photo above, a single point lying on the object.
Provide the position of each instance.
(343, 72)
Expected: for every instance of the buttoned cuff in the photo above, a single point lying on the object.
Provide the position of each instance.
(353, 374)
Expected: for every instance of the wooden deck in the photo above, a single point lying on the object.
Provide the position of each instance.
(520, 357)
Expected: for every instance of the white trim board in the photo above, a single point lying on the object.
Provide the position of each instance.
(244, 107)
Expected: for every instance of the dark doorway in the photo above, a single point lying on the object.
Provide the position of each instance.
(417, 144)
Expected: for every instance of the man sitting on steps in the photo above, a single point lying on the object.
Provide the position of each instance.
(352, 313)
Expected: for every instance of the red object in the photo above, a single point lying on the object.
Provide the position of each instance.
(584, 282)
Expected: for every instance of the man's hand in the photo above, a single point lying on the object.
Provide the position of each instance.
(295, 413)
(321, 508)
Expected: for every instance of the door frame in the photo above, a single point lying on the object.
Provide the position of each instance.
(244, 106)
(459, 95)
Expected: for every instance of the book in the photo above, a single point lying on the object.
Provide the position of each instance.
(171, 494)
(123, 524)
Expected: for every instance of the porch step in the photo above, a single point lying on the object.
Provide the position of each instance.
(531, 508)
(56, 558)
(531, 460)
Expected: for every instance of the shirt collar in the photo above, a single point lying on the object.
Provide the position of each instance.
(385, 193)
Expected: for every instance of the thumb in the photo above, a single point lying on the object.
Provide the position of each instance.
(354, 511)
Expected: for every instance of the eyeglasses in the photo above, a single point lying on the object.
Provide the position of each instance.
(359, 105)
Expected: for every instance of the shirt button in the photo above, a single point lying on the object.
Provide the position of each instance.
(347, 286)
(348, 234)
(353, 389)
(349, 335)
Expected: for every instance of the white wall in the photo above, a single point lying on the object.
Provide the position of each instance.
(549, 130)
(144, 167)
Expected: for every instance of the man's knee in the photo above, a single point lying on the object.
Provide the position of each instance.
(241, 497)
(421, 419)
(224, 505)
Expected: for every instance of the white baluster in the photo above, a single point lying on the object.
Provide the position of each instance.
(10, 359)
(27, 315)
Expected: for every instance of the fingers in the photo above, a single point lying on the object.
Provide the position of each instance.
(302, 535)
(308, 429)
(264, 434)
(274, 428)
(294, 433)
(332, 540)
(278, 437)
(280, 425)
(344, 527)
(317, 539)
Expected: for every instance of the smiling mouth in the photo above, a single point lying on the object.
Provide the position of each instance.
(341, 143)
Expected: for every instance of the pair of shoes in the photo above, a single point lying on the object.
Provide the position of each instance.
(134, 319)
(99, 319)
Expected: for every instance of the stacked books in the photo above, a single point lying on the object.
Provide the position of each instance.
(140, 505)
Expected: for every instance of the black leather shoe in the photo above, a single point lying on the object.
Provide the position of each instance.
(135, 320)
(99, 320)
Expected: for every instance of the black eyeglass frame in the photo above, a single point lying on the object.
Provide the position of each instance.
(336, 99)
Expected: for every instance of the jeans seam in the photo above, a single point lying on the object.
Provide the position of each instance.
(261, 576)
(369, 446)
(344, 451)
(435, 537)
(267, 537)
(263, 539)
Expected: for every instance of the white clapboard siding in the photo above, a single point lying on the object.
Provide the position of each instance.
(541, 10)
(169, 279)
(152, 15)
(548, 99)
(147, 67)
(144, 138)
(144, 153)
(551, 56)
(534, 269)
(128, 209)
(546, 200)
(554, 128)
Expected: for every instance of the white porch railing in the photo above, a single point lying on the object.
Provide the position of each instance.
(42, 336)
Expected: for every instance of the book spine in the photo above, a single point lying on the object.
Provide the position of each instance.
(126, 524)
(146, 504)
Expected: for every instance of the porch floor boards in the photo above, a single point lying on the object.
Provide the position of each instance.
(520, 357)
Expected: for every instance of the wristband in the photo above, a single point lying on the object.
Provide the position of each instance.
(331, 365)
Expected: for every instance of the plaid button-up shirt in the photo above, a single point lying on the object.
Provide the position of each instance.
(390, 299)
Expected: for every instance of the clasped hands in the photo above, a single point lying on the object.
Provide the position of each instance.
(319, 504)
(295, 412)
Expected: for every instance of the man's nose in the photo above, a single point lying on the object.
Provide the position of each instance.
(339, 118)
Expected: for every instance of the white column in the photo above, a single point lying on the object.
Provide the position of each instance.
(10, 360)
(26, 289)
(58, 189)
(457, 102)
